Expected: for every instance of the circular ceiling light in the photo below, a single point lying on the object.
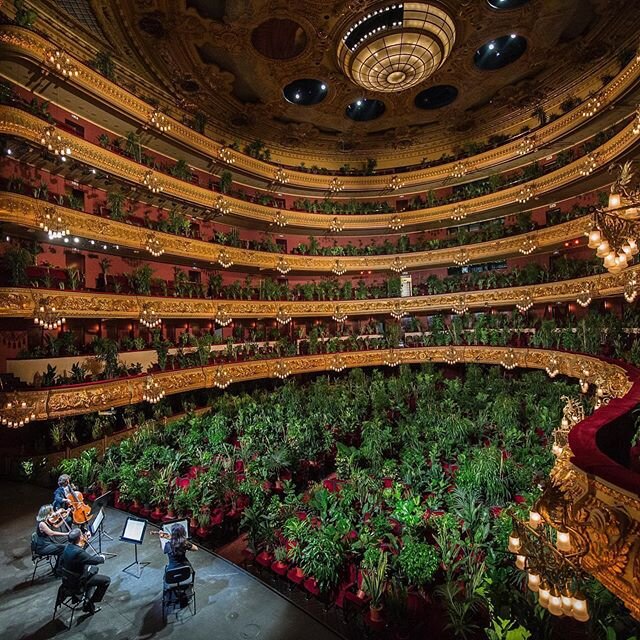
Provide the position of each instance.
(506, 4)
(363, 110)
(397, 46)
(436, 97)
(500, 52)
(305, 92)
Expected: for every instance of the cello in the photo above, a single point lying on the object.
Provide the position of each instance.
(80, 510)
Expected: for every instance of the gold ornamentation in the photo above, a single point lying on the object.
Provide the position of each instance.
(47, 316)
(152, 391)
(283, 266)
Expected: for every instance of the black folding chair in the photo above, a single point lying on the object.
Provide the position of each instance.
(71, 593)
(178, 590)
(38, 558)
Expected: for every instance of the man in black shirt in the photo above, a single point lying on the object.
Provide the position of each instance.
(77, 561)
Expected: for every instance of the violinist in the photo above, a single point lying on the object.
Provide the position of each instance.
(78, 565)
(176, 545)
(49, 541)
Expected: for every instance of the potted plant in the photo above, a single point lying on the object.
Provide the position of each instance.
(374, 576)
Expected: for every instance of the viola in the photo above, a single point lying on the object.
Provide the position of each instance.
(58, 517)
(80, 510)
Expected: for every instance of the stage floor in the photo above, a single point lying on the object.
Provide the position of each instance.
(231, 603)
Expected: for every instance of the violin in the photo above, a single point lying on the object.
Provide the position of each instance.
(161, 534)
(80, 510)
(58, 517)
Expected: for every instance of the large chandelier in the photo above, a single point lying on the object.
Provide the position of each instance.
(461, 257)
(282, 317)
(54, 142)
(153, 245)
(615, 230)
(60, 62)
(460, 305)
(395, 223)
(152, 392)
(338, 363)
(396, 183)
(283, 266)
(158, 120)
(281, 370)
(338, 314)
(279, 219)
(223, 317)
(222, 206)
(226, 155)
(396, 46)
(54, 224)
(224, 259)
(549, 550)
(222, 378)
(392, 359)
(338, 268)
(152, 182)
(16, 413)
(46, 316)
(460, 212)
(149, 318)
(336, 225)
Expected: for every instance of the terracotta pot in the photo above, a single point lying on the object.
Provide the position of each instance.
(375, 613)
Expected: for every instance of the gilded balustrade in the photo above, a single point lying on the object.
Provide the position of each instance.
(16, 122)
(30, 44)
(23, 302)
(56, 402)
(28, 212)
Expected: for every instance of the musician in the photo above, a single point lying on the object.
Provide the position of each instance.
(49, 541)
(78, 562)
(176, 547)
(61, 494)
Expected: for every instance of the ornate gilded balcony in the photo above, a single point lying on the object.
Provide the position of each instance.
(27, 212)
(18, 123)
(31, 45)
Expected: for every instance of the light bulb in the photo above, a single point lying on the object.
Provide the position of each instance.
(603, 249)
(514, 542)
(555, 602)
(563, 541)
(595, 238)
(534, 519)
(609, 260)
(614, 200)
(567, 603)
(579, 609)
(543, 595)
(533, 582)
(521, 562)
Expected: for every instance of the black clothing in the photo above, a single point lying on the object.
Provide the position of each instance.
(45, 545)
(177, 558)
(59, 499)
(77, 561)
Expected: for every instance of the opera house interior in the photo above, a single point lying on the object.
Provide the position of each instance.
(320, 319)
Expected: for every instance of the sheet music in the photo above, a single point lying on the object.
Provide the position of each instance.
(134, 530)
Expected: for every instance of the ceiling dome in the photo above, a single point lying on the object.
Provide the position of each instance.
(397, 46)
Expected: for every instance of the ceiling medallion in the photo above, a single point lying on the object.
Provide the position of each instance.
(397, 46)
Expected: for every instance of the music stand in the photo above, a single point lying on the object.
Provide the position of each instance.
(100, 503)
(97, 527)
(133, 533)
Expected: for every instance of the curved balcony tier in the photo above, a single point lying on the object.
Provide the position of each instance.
(28, 212)
(31, 45)
(23, 302)
(18, 123)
